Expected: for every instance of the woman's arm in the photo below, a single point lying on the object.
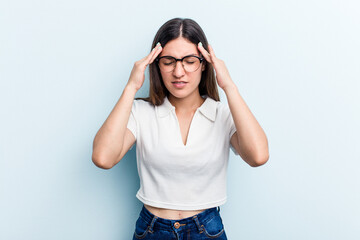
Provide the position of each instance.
(249, 139)
(114, 140)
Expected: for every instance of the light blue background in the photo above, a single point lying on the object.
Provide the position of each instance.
(64, 64)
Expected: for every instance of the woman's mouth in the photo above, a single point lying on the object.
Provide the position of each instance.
(179, 84)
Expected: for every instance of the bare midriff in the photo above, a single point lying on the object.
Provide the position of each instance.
(172, 214)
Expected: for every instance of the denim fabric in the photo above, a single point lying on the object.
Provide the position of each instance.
(205, 225)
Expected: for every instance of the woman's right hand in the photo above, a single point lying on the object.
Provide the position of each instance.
(137, 75)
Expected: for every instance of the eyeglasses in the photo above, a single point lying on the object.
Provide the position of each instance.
(190, 63)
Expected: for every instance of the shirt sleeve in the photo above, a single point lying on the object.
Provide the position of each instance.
(230, 125)
(131, 125)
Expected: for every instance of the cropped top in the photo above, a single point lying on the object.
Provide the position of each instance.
(177, 176)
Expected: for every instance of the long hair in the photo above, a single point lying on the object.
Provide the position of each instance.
(190, 30)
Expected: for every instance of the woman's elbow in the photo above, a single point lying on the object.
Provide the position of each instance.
(259, 161)
(101, 162)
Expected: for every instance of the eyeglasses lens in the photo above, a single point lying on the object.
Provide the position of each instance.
(190, 64)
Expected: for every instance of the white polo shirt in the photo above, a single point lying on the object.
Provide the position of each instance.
(177, 176)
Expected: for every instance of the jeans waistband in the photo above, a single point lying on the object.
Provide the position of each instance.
(195, 221)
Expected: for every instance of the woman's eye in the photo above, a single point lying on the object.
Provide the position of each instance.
(190, 60)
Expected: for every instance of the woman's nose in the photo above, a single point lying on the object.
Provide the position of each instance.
(179, 70)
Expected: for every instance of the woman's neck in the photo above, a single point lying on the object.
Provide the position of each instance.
(188, 104)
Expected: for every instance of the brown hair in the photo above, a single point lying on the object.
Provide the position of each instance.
(190, 30)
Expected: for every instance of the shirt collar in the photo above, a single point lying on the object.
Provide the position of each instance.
(208, 108)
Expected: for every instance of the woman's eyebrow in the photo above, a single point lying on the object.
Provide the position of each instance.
(191, 54)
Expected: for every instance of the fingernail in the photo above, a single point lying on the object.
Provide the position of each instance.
(200, 44)
(158, 44)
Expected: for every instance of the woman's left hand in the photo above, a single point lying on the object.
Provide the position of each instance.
(222, 74)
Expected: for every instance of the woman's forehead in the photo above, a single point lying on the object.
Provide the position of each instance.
(179, 48)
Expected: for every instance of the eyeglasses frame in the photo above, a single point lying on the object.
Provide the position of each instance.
(181, 60)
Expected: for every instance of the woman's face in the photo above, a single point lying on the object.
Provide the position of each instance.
(179, 83)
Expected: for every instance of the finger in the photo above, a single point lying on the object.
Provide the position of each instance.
(211, 51)
(204, 52)
(151, 54)
(146, 59)
(157, 51)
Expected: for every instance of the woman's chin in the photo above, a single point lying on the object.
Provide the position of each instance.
(182, 94)
(177, 95)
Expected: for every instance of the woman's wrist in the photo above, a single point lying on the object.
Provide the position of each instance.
(229, 88)
(130, 88)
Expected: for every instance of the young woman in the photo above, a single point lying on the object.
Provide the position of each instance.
(183, 135)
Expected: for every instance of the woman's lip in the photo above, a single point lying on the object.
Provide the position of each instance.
(179, 84)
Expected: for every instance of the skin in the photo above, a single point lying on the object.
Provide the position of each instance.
(113, 140)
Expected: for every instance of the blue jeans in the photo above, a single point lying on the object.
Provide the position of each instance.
(205, 225)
